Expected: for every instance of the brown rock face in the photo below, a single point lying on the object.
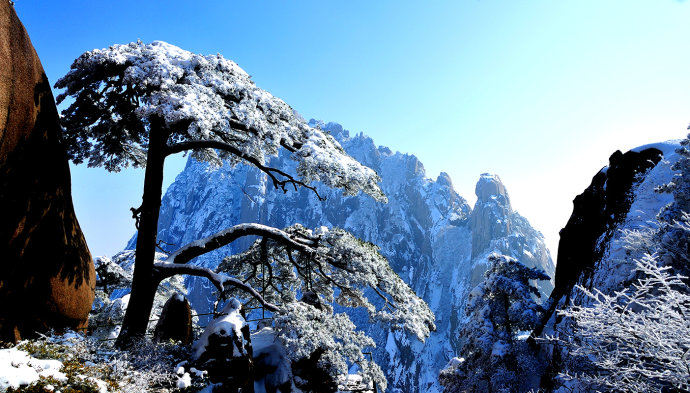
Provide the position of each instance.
(47, 278)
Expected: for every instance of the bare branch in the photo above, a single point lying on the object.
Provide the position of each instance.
(273, 173)
(227, 236)
(136, 215)
(165, 270)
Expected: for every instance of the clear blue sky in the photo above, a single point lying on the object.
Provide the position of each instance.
(538, 92)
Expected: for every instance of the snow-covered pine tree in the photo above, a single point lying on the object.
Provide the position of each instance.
(501, 312)
(139, 103)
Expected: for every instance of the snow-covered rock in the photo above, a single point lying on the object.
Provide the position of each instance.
(425, 230)
(601, 210)
(595, 251)
(224, 349)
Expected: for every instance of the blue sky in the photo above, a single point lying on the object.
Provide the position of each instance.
(538, 92)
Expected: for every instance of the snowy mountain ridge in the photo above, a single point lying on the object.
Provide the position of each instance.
(431, 236)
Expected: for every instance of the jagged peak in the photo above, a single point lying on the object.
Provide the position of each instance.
(444, 179)
(490, 187)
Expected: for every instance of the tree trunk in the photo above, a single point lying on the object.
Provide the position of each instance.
(144, 284)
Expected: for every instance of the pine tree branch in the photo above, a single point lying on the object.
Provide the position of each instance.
(274, 174)
(165, 270)
(227, 236)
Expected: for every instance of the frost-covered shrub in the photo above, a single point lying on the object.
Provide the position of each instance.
(674, 221)
(638, 339)
(305, 330)
(501, 313)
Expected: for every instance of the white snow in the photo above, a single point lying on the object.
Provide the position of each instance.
(667, 147)
(18, 368)
(184, 381)
(228, 324)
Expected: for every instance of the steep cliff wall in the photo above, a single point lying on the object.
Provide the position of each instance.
(47, 278)
(596, 215)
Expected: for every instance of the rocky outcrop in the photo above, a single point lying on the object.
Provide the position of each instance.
(595, 214)
(175, 321)
(47, 278)
(497, 228)
(225, 351)
(593, 251)
(490, 215)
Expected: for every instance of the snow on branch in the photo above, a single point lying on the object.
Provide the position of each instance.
(338, 268)
(227, 236)
(637, 339)
(165, 270)
(120, 93)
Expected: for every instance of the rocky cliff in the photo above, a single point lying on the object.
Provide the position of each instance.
(597, 213)
(622, 197)
(47, 278)
(431, 236)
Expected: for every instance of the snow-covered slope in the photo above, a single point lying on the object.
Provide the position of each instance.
(432, 238)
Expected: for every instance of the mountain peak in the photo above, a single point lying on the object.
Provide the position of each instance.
(489, 187)
(491, 216)
(444, 180)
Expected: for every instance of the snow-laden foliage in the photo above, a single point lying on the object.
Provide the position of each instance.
(337, 267)
(501, 312)
(638, 339)
(674, 220)
(680, 183)
(206, 104)
(305, 278)
(304, 329)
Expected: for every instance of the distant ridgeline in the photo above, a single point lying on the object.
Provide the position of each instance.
(431, 236)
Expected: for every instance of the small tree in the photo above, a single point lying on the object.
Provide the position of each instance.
(137, 104)
(500, 310)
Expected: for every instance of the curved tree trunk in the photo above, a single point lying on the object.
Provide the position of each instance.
(144, 284)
